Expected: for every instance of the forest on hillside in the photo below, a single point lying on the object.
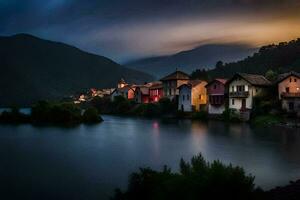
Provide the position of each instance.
(279, 58)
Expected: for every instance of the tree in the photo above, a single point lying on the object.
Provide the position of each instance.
(195, 180)
(219, 64)
(91, 115)
(271, 75)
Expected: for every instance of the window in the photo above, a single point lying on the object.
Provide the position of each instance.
(188, 97)
(232, 101)
(215, 86)
(290, 80)
(232, 88)
(287, 89)
(295, 80)
(200, 96)
(170, 92)
(183, 97)
(240, 88)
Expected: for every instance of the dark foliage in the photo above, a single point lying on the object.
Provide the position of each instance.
(91, 115)
(196, 180)
(57, 113)
(167, 106)
(62, 113)
(279, 58)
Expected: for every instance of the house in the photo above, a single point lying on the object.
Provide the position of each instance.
(171, 83)
(192, 96)
(156, 92)
(141, 94)
(243, 87)
(124, 89)
(289, 91)
(217, 95)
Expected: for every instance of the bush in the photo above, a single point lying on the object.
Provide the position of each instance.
(146, 110)
(267, 119)
(121, 105)
(198, 179)
(58, 113)
(102, 104)
(230, 115)
(91, 115)
(167, 106)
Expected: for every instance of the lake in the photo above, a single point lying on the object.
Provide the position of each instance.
(88, 162)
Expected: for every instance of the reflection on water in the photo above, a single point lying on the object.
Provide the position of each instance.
(88, 162)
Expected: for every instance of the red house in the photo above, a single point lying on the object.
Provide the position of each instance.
(142, 94)
(216, 93)
(156, 92)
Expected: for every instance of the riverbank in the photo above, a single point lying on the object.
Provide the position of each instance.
(51, 113)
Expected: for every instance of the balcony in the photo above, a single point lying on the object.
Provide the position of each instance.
(216, 100)
(290, 94)
(239, 94)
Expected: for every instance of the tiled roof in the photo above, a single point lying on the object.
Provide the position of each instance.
(253, 79)
(223, 81)
(156, 85)
(192, 83)
(281, 77)
(178, 75)
(144, 89)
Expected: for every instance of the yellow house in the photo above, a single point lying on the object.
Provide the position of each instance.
(192, 96)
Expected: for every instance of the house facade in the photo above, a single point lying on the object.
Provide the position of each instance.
(192, 96)
(156, 92)
(123, 89)
(172, 82)
(289, 91)
(141, 94)
(243, 88)
(217, 96)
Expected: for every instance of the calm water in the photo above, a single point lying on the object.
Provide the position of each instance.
(88, 162)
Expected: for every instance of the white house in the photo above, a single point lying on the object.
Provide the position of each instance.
(243, 87)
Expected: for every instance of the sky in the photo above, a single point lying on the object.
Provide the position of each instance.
(132, 29)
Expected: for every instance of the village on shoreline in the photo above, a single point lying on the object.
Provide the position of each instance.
(241, 97)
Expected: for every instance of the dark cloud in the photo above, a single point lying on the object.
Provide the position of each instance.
(124, 29)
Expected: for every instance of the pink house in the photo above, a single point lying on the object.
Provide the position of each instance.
(216, 92)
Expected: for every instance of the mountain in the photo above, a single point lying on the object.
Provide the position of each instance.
(280, 58)
(201, 57)
(33, 69)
